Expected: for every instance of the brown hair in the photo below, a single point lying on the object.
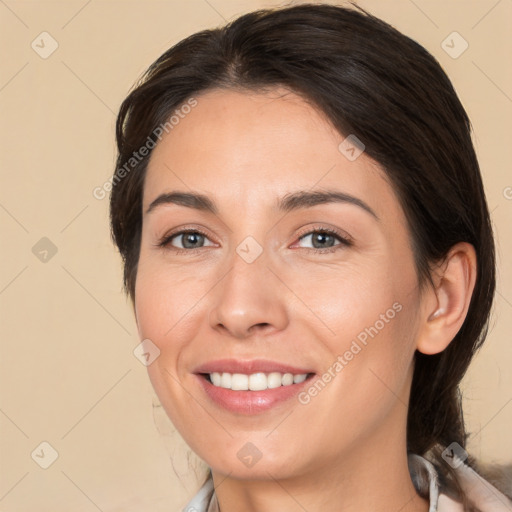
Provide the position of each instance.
(369, 80)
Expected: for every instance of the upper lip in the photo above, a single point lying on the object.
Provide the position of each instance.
(249, 367)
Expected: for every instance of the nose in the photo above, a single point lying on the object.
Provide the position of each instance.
(249, 300)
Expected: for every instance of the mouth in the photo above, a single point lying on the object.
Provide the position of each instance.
(251, 387)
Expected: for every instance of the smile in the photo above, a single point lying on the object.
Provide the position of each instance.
(251, 386)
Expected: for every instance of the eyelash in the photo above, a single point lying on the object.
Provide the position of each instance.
(343, 239)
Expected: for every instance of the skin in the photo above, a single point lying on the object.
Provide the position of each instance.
(245, 150)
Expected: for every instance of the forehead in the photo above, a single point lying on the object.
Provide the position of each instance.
(250, 147)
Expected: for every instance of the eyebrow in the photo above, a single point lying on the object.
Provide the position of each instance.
(293, 201)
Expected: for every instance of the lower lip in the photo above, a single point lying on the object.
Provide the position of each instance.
(250, 402)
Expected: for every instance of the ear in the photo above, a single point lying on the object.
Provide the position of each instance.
(445, 306)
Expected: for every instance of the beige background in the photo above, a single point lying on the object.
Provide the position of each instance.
(68, 375)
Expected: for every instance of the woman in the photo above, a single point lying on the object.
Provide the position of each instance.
(307, 246)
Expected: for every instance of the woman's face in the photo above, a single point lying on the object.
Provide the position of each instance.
(298, 262)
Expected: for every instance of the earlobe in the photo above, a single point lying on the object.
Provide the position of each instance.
(446, 305)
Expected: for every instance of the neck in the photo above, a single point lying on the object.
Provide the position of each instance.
(374, 476)
(384, 487)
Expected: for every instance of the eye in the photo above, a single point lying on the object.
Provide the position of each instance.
(185, 240)
(324, 240)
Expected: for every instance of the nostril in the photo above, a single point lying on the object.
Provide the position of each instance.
(260, 326)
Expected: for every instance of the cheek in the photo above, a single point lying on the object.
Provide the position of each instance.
(372, 320)
(165, 298)
(365, 388)
(163, 306)
(346, 301)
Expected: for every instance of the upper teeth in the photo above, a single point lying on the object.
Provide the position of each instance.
(255, 381)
